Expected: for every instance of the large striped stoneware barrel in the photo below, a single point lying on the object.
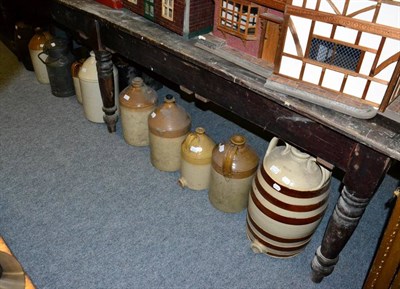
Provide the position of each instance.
(287, 201)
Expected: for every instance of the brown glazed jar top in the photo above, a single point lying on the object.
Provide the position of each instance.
(39, 39)
(138, 95)
(198, 147)
(235, 158)
(169, 119)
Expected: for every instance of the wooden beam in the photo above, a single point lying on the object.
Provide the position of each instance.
(356, 24)
(274, 4)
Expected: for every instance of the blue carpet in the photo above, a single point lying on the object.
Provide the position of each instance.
(82, 209)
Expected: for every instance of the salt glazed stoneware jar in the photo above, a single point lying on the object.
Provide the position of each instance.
(91, 96)
(196, 155)
(287, 201)
(234, 164)
(136, 102)
(169, 124)
(36, 45)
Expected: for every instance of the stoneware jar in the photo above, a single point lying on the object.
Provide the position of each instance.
(136, 102)
(234, 164)
(196, 155)
(287, 201)
(169, 125)
(91, 96)
(36, 45)
(58, 64)
(75, 68)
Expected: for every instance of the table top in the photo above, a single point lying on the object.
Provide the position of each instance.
(378, 133)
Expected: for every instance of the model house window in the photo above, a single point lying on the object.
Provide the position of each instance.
(335, 54)
(149, 9)
(239, 18)
(168, 9)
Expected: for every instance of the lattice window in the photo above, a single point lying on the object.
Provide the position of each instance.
(239, 18)
(335, 54)
(168, 9)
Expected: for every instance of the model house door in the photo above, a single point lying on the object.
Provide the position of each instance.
(271, 27)
(149, 9)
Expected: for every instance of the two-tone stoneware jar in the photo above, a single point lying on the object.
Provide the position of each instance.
(287, 201)
(36, 45)
(136, 102)
(234, 164)
(169, 124)
(196, 155)
(89, 85)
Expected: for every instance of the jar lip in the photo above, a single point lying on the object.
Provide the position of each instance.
(169, 98)
(200, 130)
(238, 139)
(137, 81)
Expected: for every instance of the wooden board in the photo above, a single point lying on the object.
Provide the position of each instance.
(384, 272)
(4, 248)
(317, 95)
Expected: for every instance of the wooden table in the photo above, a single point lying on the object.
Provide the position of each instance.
(362, 149)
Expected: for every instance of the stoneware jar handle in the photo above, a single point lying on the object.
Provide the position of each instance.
(228, 160)
(189, 140)
(272, 144)
(40, 54)
(325, 174)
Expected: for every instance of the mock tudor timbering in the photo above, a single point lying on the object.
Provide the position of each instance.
(348, 47)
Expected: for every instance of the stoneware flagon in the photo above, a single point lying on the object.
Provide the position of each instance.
(234, 164)
(91, 96)
(287, 201)
(169, 125)
(36, 45)
(196, 155)
(136, 102)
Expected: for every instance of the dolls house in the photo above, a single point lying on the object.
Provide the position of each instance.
(251, 27)
(188, 18)
(349, 49)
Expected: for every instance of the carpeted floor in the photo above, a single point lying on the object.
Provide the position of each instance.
(82, 209)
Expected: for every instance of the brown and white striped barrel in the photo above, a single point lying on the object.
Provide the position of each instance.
(281, 220)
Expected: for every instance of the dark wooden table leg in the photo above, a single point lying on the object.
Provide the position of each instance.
(365, 170)
(106, 82)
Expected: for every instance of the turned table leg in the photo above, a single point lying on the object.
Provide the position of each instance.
(365, 169)
(106, 83)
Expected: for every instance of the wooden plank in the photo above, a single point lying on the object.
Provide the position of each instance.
(334, 100)
(385, 265)
(4, 248)
(275, 4)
